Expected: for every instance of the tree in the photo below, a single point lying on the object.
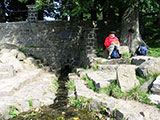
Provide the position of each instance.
(130, 32)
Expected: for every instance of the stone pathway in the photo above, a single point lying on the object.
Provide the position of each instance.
(23, 85)
(130, 110)
(125, 109)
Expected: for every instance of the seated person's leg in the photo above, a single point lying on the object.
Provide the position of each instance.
(110, 50)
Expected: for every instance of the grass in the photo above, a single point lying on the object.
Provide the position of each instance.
(55, 84)
(70, 85)
(134, 94)
(126, 55)
(112, 90)
(30, 103)
(143, 80)
(155, 52)
(89, 83)
(13, 111)
(95, 68)
(81, 102)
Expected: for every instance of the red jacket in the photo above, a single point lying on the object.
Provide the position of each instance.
(111, 41)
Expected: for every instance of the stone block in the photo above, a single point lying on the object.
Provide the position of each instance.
(124, 50)
(102, 79)
(149, 67)
(138, 60)
(127, 77)
(156, 86)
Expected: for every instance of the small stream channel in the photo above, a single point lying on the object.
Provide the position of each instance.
(61, 109)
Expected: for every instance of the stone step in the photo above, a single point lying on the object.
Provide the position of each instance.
(99, 60)
(10, 85)
(124, 108)
(138, 60)
(102, 78)
(109, 68)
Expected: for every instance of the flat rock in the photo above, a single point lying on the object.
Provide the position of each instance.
(138, 60)
(127, 77)
(155, 99)
(149, 67)
(99, 60)
(108, 68)
(102, 78)
(11, 85)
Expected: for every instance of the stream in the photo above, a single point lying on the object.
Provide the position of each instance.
(61, 109)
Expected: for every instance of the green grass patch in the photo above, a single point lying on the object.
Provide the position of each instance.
(95, 68)
(13, 111)
(30, 103)
(89, 83)
(155, 52)
(134, 94)
(126, 55)
(55, 84)
(81, 102)
(112, 90)
(70, 85)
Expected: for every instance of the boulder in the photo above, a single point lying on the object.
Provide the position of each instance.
(155, 99)
(127, 77)
(156, 86)
(102, 78)
(138, 60)
(149, 67)
(124, 50)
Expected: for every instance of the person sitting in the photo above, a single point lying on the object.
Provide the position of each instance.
(110, 42)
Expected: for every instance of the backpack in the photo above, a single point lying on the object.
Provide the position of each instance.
(115, 53)
(142, 50)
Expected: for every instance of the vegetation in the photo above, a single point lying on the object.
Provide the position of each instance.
(134, 94)
(13, 111)
(70, 85)
(56, 84)
(30, 103)
(89, 83)
(95, 68)
(81, 102)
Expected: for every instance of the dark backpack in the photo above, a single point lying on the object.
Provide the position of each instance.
(115, 53)
(142, 50)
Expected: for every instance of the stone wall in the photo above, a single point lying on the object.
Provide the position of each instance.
(56, 43)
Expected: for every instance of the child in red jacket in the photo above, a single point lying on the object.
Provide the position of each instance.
(110, 42)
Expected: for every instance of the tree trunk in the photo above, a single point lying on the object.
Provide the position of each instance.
(130, 33)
